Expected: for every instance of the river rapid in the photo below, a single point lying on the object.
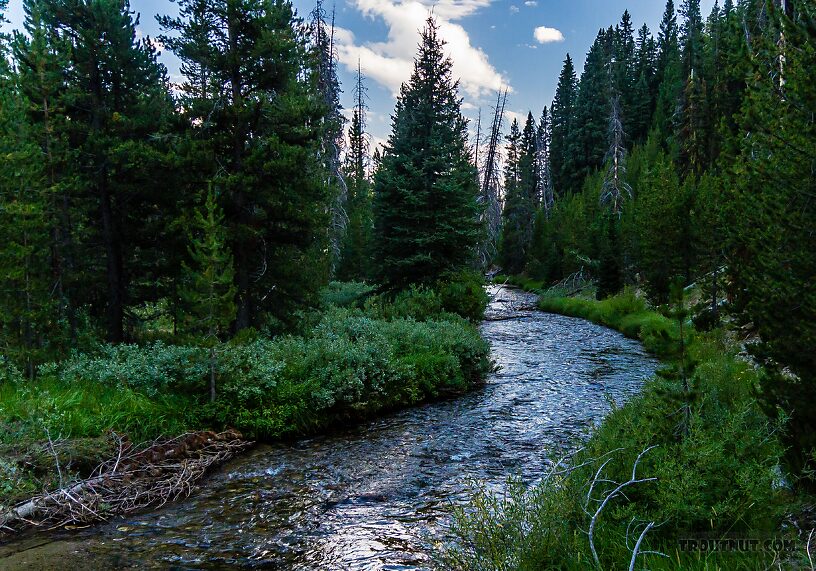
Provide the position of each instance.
(377, 496)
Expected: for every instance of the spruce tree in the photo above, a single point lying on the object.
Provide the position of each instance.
(543, 143)
(562, 113)
(41, 59)
(357, 243)
(117, 100)
(25, 304)
(516, 213)
(425, 203)
(773, 260)
(588, 138)
(257, 120)
(208, 291)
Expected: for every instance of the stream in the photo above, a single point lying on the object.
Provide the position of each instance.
(377, 496)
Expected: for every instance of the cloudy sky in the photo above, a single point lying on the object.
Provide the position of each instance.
(518, 44)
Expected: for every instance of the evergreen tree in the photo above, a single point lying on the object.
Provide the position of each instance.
(25, 312)
(668, 75)
(588, 136)
(208, 292)
(543, 143)
(562, 113)
(517, 214)
(425, 202)
(773, 261)
(41, 58)
(327, 87)
(116, 101)
(691, 37)
(641, 99)
(660, 228)
(256, 121)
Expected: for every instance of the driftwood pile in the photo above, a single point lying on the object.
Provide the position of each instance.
(141, 477)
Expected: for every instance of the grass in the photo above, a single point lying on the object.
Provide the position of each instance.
(626, 313)
(713, 467)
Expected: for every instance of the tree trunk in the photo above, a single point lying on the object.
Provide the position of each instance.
(212, 374)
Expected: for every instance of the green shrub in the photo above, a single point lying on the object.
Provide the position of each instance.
(463, 293)
(350, 364)
(418, 302)
(152, 368)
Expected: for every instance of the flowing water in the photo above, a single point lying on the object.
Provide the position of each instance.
(377, 495)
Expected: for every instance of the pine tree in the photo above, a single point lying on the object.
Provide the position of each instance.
(588, 136)
(660, 229)
(25, 304)
(41, 58)
(692, 116)
(208, 292)
(562, 113)
(691, 37)
(117, 99)
(517, 214)
(669, 77)
(642, 99)
(257, 120)
(543, 143)
(773, 260)
(425, 202)
(327, 87)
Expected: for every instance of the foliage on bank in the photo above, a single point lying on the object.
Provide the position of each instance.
(362, 355)
(709, 465)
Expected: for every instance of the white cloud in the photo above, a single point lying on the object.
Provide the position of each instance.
(531, 3)
(391, 62)
(514, 9)
(545, 35)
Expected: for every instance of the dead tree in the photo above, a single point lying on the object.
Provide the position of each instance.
(490, 182)
(615, 189)
(603, 500)
(331, 143)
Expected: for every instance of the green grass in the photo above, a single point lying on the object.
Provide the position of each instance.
(716, 468)
(626, 313)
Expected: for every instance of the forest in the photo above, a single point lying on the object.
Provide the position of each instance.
(230, 253)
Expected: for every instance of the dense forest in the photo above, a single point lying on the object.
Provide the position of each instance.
(687, 155)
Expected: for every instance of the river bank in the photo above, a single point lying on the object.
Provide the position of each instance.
(379, 494)
(358, 357)
(693, 456)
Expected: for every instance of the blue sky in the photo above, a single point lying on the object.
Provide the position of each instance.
(494, 43)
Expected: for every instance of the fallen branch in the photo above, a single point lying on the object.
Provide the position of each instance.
(150, 476)
(609, 497)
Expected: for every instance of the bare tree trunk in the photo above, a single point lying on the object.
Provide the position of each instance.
(212, 374)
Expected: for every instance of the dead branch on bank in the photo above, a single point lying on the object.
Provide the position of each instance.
(137, 478)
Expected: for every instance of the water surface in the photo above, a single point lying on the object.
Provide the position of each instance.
(377, 496)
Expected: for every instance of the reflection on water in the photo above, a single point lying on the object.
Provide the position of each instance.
(376, 496)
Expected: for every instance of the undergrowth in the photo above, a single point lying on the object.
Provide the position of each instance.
(710, 467)
(361, 354)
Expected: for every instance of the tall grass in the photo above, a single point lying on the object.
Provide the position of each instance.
(36, 409)
(626, 313)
